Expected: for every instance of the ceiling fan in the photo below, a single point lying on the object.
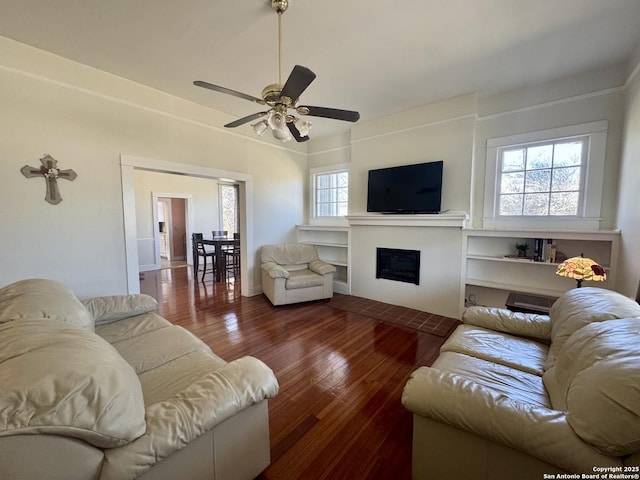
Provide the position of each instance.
(281, 98)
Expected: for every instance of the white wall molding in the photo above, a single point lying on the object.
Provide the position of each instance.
(449, 219)
(560, 101)
(140, 106)
(632, 75)
(416, 127)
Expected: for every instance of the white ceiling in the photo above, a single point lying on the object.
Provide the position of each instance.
(374, 56)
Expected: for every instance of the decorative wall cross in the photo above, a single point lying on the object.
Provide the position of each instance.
(50, 171)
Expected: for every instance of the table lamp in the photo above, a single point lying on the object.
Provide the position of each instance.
(581, 268)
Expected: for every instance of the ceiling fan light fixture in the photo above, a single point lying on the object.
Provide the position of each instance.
(282, 96)
(303, 127)
(282, 134)
(277, 120)
(260, 127)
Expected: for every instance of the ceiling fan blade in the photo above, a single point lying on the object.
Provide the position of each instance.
(335, 113)
(228, 91)
(296, 133)
(247, 119)
(298, 81)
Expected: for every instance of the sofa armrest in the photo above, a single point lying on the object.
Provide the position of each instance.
(540, 432)
(274, 270)
(117, 307)
(320, 267)
(503, 320)
(179, 420)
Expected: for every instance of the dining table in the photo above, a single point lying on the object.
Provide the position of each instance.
(218, 243)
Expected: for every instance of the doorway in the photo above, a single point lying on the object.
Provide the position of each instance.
(172, 231)
(244, 181)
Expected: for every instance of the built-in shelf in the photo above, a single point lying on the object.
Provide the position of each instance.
(488, 276)
(326, 244)
(332, 243)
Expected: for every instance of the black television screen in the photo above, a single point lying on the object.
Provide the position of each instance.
(406, 189)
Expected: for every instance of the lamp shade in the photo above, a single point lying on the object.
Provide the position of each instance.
(260, 127)
(582, 268)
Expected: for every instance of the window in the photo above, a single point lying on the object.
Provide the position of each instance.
(229, 207)
(331, 193)
(546, 179)
(542, 178)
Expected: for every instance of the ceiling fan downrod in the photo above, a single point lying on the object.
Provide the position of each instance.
(280, 6)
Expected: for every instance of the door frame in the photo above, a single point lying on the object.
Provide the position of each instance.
(188, 199)
(129, 163)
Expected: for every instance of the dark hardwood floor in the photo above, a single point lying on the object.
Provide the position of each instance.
(338, 414)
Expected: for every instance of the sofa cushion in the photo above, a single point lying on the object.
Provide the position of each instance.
(596, 379)
(117, 307)
(288, 253)
(517, 385)
(131, 327)
(498, 347)
(155, 348)
(582, 306)
(167, 358)
(60, 380)
(43, 299)
(303, 279)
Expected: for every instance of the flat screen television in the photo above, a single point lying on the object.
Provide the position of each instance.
(406, 189)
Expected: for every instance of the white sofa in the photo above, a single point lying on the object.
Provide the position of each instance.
(516, 395)
(107, 389)
(293, 272)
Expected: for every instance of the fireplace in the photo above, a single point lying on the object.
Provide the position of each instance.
(399, 265)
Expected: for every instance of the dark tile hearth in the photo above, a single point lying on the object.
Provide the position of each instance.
(402, 316)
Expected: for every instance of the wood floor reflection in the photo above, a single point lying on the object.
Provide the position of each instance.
(338, 414)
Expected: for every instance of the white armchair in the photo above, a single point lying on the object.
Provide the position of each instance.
(293, 272)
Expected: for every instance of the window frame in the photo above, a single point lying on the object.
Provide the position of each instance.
(314, 174)
(221, 185)
(592, 177)
(584, 156)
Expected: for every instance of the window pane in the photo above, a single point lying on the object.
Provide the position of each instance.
(324, 196)
(568, 154)
(323, 181)
(323, 211)
(512, 183)
(538, 181)
(331, 194)
(343, 179)
(510, 204)
(567, 178)
(539, 157)
(513, 160)
(564, 203)
(537, 171)
(536, 204)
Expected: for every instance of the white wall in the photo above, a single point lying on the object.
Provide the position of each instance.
(629, 199)
(86, 119)
(593, 96)
(442, 131)
(456, 131)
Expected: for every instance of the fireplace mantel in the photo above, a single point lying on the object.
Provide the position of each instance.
(448, 219)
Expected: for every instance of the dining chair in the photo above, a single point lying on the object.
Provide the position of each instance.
(200, 251)
(232, 257)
